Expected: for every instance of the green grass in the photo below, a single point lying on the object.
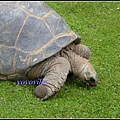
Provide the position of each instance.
(99, 25)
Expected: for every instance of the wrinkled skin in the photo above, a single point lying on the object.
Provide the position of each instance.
(80, 65)
(54, 70)
(87, 77)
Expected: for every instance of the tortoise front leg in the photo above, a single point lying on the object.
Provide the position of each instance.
(54, 72)
(81, 67)
(82, 50)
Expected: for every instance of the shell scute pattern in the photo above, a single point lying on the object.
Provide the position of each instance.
(31, 32)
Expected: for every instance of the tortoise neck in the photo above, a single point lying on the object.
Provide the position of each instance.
(77, 62)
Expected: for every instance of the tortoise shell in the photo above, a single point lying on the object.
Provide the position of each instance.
(30, 32)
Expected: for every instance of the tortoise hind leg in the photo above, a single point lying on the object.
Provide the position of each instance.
(82, 50)
(54, 71)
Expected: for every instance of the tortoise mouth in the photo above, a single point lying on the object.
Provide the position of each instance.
(90, 81)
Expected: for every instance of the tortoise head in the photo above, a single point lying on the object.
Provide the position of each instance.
(88, 75)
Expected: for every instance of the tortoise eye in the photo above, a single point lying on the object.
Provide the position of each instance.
(92, 79)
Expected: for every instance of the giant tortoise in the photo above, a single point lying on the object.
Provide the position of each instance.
(35, 42)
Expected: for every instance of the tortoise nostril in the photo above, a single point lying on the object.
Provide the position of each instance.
(92, 79)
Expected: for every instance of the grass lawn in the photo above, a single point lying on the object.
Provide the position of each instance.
(99, 25)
